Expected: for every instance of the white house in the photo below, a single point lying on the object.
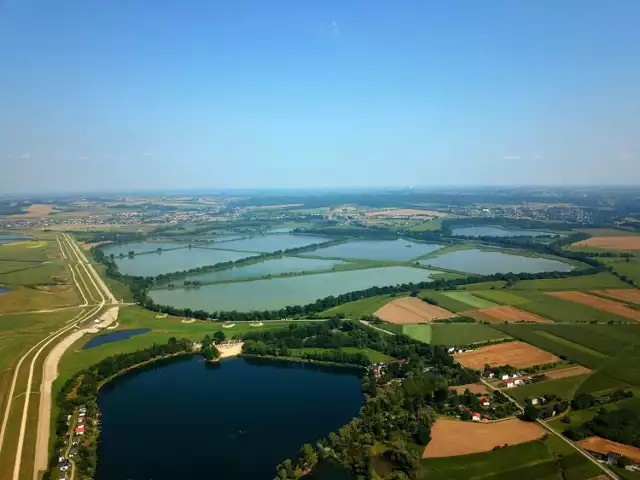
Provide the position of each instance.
(505, 376)
(518, 381)
(509, 384)
(475, 417)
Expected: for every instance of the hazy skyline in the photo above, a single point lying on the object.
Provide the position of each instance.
(247, 94)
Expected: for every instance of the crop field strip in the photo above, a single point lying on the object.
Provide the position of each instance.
(471, 300)
(626, 296)
(562, 387)
(504, 314)
(600, 304)
(453, 334)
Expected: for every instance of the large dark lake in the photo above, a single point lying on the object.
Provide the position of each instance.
(234, 420)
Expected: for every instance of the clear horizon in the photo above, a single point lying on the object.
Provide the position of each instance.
(199, 96)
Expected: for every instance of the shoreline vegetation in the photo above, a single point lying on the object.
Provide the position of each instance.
(314, 344)
(140, 286)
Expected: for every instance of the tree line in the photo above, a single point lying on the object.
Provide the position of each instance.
(82, 389)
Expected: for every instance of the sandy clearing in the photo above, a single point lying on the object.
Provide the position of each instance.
(411, 310)
(517, 354)
(599, 303)
(503, 314)
(630, 295)
(472, 387)
(454, 437)
(604, 446)
(567, 372)
(191, 320)
(88, 246)
(612, 243)
(230, 350)
(405, 212)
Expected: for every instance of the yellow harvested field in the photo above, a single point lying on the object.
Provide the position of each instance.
(626, 295)
(631, 242)
(599, 303)
(504, 314)
(567, 372)
(472, 387)
(516, 354)
(271, 207)
(604, 446)
(411, 310)
(405, 212)
(454, 437)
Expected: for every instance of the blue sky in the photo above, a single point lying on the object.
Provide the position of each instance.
(113, 95)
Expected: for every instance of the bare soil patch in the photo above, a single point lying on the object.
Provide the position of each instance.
(630, 295)
(604, 446)
(411, 310)
(567, 372)
(455, 437)
(631, 242)
(405, 212)
(517, 354)
(599, 303)
(39, 210)
(472, 387)
(504, 314)
(88, 246)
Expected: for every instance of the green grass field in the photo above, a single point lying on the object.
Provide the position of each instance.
(418, 332)
(563, 388)
(587, 282)
(471, 300)
(463, 334)
(359, 308)
(162, 329)
(527, 461)
(630, 269)
(560, 310)
(613, 351)
(444, 301)
(37, 274)
(373, 355)
(599, 382)
(501, 297)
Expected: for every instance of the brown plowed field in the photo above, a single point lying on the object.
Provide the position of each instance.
(567, 372)
(630, 295)
(455, 437)
(411, 310)
(603, 446)
(504, 314)
(516, 354)
(472, 387)
(599, 303)
(632, 242)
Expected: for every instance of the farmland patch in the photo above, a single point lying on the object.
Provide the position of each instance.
(567, 372)
(631, 242)
(454, 437)
(560, 310)
(504, 314)
(472, 387)
(470, 299)
(462, 334)
(501, 297)
(600, 303)
(629, 295)
(411, 310)
(563, 388)
(517, 354)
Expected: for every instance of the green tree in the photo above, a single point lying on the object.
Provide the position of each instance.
(219, 336)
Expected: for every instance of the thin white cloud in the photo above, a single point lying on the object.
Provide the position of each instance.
(83, 158)
(146, 154)
(25, 156)
(335, 28)
(511, 157)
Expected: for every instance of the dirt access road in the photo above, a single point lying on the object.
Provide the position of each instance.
(58, 341)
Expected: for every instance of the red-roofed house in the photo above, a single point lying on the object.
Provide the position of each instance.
(484, 402)
(80, 430)
(475, 417)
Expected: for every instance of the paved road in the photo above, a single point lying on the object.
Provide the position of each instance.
(587, 455)
(603, 467)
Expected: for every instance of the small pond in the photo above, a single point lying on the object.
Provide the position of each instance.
(398, 250)
(114, 337)
(279, 292)
(497, 232)
(234, 420)
(4, 290)
(488, 262)
(10, 237)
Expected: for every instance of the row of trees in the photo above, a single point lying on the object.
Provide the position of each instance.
(82, 389)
